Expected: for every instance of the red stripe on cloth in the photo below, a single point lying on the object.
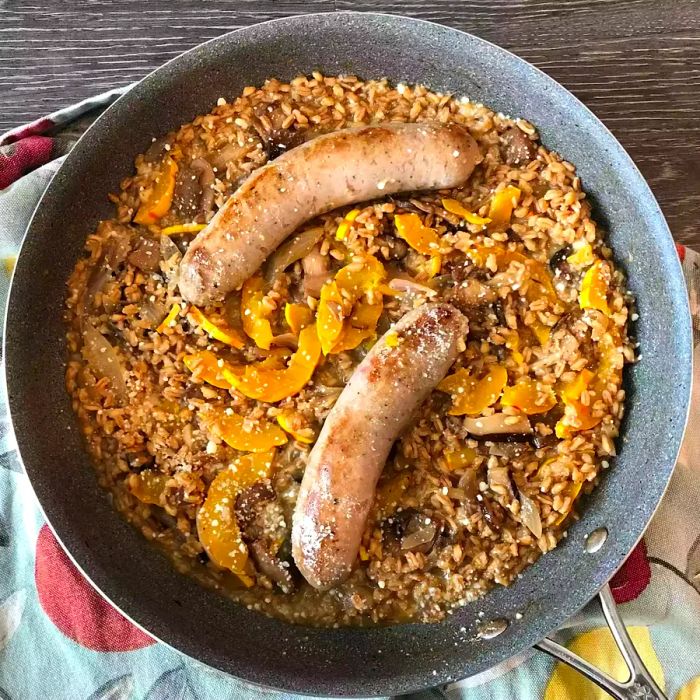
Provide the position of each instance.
(39, 126)
(75, 607)
(23, 156)
(633, 577)
(681, 251)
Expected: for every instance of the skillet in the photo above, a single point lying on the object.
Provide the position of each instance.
(139, 580)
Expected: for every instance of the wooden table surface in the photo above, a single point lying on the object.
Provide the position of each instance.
(635, 63)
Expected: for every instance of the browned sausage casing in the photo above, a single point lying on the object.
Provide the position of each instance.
(375, 406)
(343, 167)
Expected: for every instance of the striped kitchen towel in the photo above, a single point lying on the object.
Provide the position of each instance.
(60, 639)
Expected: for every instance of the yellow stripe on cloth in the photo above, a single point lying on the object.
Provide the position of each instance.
(9, 263)
(690, 691)
(599, 648)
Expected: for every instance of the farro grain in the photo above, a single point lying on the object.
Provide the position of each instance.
(164, 423)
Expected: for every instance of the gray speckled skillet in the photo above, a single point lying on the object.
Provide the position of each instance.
(378, 661)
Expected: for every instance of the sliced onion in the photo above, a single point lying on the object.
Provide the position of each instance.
(421, 539)
(530, 515)
(153, 312)
(469, 483)
(170, 257)
(498, 478)
(401, 284)
(104, 360)
(98, 278)
(496, 425)
(169, 250)
(296, 248)
(230, 153)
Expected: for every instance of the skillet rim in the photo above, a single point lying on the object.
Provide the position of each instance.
(412, 681)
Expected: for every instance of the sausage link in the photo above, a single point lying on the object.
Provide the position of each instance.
(376, 405)
(343, 167)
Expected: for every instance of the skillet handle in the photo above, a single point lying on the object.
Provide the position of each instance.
(639, 686)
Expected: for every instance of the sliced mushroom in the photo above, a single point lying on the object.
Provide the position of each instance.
(232, 310)
(275, 569)
(205, 174)
(406, 205)
(99, 275)
(394, 528)
(248, 502)
(469, 483)
(114, 251)
(493, 514)
(170, 523)
(146, 254)
(187, 194)
(566, 277)
(470, 294)
(316, 272)
(279, 141)
(466, 270)
(540, 441)
(392, 248)
(157, 150)
(517, 147)
(410, 531)
(117, 248)
(558, 259)
(509, 450)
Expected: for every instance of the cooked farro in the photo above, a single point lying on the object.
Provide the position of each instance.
(487, 477)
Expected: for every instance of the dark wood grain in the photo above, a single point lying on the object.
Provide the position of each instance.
(635, 63)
